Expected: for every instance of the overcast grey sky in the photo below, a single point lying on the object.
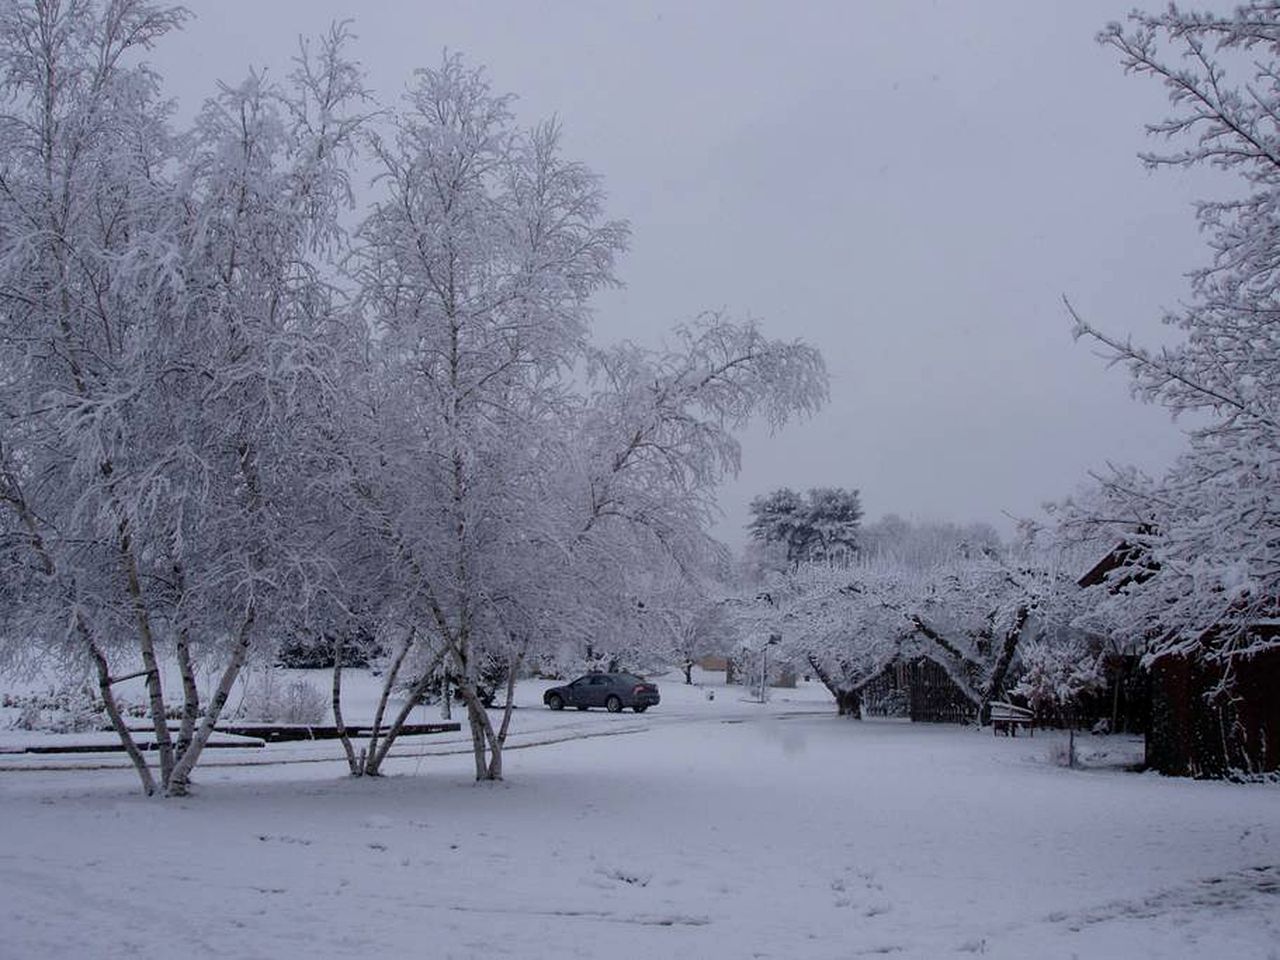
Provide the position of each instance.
(912, 187)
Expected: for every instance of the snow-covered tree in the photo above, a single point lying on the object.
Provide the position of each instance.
(919, 544)
(253, 372)
(517, 513)
(968, 611)
(1211, 524)
(160, 324)
(821, 525)
(682, 618)
(81, 136)
(1055, 674)
(205, 450)
(474, 269)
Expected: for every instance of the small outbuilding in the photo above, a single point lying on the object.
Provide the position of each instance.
(1210, 717)
(919, 689)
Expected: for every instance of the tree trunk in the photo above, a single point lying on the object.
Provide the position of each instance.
(848, 701)
(1118, 678)
(849, 704)
(497, 745)
(339, 724)
(15, 497)
(178, 783)
(486, 747)
(478, 721)
(146, 645)
(187, 672)
(190, 694)
(995, 687)
(374, 765)
(371, 766)
(113, 710)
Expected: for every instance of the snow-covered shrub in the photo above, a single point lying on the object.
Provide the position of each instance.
(1054, 675)
(267, 699)
(1062, 752)
(71, 708)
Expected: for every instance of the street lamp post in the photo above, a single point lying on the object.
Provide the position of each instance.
(764, 665)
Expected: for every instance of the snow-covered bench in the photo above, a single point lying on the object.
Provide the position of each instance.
(1007, 717)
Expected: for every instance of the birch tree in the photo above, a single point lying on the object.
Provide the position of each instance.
(82, 136)
(204, 447)
(514, 507)
(657, 434)
(256, 369)
(157, 319)
(475, 270)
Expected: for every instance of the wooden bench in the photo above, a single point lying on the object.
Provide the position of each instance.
(1006, 718)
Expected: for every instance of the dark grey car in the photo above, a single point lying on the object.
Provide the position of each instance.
(613, 691)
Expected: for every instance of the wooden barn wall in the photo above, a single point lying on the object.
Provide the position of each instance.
(886, 694)
(920, 690)
(1200, 730)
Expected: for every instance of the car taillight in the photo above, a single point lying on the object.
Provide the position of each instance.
(640, 689)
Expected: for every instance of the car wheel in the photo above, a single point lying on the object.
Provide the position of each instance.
(613, 705)
(640, 707)
(555, 702)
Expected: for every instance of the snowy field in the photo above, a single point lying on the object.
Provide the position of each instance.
(704, 829)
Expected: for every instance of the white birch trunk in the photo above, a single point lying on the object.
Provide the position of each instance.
(178, 782)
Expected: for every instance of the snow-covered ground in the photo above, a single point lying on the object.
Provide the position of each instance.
(706, 828)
